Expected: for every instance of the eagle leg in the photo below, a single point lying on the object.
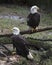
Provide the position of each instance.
(13, 53)
(33, 29)
(37, 28)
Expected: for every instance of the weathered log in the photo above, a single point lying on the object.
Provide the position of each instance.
(35, 31)
(27, 32)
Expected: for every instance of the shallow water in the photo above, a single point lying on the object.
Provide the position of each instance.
(14, 17)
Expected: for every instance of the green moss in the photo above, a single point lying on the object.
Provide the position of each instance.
(5, 40)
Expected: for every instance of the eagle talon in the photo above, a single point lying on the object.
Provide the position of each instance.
(37, 28)
(33, 29)
(13, 53)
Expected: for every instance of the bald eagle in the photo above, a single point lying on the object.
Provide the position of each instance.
(33, 19)
(19, 43)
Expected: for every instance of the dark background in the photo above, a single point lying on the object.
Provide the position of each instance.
(45, 4)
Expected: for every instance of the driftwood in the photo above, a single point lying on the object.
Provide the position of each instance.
(27, 32)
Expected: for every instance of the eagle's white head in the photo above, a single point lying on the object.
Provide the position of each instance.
(16, 31)
(34, 9)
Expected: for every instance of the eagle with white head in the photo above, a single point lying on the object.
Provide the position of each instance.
(33, 18)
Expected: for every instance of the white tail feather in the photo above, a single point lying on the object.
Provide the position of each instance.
(30, 56)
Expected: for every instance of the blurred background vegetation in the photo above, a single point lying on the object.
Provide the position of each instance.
(45, 4)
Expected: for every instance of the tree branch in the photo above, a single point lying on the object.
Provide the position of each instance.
(27, 32)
